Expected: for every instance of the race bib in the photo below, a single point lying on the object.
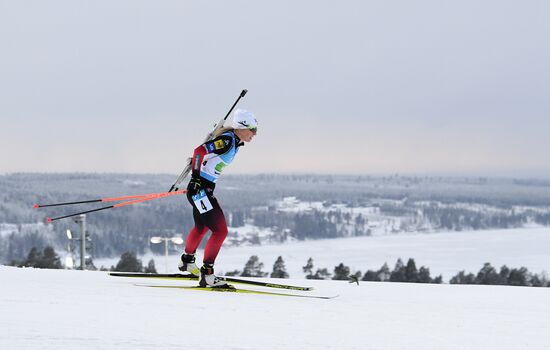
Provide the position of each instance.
(202, 203)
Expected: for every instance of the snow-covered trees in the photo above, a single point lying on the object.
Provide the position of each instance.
(253, 268)
(47, 259)
(128, 263)
(341, 272)
(279, 269)
(320, 274)
(506, 276)
(150, 267)
(401, 273)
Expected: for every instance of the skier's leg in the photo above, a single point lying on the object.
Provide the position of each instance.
(194, 238)
(217, 224)
(196, 234)
(215, 221)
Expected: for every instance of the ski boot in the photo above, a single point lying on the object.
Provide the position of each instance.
(208, 279)
(187, 264)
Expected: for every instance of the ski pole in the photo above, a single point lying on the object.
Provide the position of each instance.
(209, 136)
(112, 199)
(48, 220)
(103, 208)
(134, 200)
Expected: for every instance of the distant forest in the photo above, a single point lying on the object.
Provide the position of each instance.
(398, 203)
(409, 273)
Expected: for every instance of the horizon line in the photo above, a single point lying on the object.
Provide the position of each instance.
(373, 174)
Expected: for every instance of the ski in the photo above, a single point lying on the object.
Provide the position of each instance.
(238, 290)
(190, 277)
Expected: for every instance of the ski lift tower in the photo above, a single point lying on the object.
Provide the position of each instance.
(81, 219)
(69, 260)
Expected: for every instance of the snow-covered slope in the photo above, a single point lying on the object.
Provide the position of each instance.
(59, 309)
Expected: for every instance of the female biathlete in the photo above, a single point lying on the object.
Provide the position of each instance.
(208, 161)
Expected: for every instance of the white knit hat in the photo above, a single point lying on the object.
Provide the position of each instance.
(243, 119)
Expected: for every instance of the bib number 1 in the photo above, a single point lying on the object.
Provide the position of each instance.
(202, 203)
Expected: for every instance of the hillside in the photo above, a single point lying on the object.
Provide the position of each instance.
(264, 209)
(60, 309)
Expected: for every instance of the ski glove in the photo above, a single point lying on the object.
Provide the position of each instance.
(195, 185)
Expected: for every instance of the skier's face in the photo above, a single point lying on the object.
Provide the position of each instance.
(246, 135)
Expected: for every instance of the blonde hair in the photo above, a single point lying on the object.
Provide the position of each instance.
(222, 130)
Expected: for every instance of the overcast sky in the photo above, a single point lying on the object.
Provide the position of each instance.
(372, 87)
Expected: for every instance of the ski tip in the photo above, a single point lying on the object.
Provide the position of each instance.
(49, 220)
(36, 206)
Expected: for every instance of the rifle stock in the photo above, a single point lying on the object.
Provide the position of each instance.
(209, 137)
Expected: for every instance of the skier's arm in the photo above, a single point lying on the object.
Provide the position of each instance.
(219, 145)
(198, 156)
